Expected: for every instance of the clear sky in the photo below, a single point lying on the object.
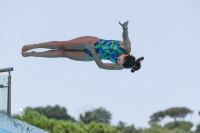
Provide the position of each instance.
(166, 33)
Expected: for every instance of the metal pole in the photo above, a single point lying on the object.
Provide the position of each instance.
(9, 95)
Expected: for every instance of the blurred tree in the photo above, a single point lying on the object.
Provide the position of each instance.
(186, 126)
(157, 129)
(97, 115)
(157, 117)
(61, 126)
(171, 112)
(197, 129)
(56, 112)
(177, 113)
(129, 129)
(121, 125)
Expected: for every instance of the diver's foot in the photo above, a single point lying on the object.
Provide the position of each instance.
(26, 47)
(27, 54)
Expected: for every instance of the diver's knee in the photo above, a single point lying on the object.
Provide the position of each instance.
(63, 53)
(59, 45)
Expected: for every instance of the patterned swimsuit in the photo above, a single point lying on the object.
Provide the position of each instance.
(107, 50)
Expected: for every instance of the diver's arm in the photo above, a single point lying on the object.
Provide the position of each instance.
(125, 36)
(96, 58)
(100, 64)
(126, 40)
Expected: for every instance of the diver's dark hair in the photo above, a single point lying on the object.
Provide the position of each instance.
(129, 62)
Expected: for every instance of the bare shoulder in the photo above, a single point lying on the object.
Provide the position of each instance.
(111, 66)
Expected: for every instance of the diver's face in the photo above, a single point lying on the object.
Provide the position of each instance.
(120, 60)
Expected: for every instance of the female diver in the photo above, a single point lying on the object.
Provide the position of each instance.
(90, 48)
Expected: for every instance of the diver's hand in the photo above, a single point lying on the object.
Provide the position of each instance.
(124, 25)
(89, 45)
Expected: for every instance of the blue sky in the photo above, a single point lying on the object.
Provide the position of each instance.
(166, 33)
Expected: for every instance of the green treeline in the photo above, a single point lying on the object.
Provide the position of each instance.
(56, 120)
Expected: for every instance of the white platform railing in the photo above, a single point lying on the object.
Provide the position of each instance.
(9, 88)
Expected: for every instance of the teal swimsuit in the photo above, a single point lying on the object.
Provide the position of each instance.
(107, 50)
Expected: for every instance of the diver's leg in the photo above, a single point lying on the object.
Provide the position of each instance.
(49, 54)
(78, 43)
(74, 44)
(77, 55)
(49, 45)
